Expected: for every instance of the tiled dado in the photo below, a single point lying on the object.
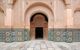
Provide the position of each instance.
(64, 35)
(14, 35)
(57, 35)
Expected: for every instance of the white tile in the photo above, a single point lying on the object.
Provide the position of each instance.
(49, 45)
(50, 48)
(29, 48)
(37, 47)
(44, 49)
(43, 46)
(32, 45)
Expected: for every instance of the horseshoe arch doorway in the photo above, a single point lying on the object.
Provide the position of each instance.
(39, 26)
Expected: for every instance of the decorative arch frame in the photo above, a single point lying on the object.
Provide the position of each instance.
(38, 4)
(64, 1)
(31, 19)
(77, 9)
(37, 7)
(44, 8)
(2, 9)
(14, 1)
(42, 24)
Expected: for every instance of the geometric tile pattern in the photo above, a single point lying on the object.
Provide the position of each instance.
(64, 35)
(14, 35)
(76, 36)
(57, 35)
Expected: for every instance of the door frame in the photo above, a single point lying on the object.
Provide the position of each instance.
(33, 26)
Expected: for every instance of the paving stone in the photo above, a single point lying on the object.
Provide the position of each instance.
(50, 48)
(43, 46)
(44, 49)
(39, 45)
(29, 48)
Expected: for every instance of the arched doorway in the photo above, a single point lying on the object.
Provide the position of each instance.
(39, 26)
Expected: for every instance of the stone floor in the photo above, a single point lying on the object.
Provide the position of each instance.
(39, 45)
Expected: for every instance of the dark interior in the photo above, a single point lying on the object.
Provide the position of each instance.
(46, 19)
(39, 33)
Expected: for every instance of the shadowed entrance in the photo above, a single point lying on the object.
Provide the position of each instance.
(39, 32)
(39, 26)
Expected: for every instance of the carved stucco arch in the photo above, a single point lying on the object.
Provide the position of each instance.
(32, 10)
(38, 4)
(14, 1)
(2, 9)
(76, 24)
(76, 10)
(2, 15)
